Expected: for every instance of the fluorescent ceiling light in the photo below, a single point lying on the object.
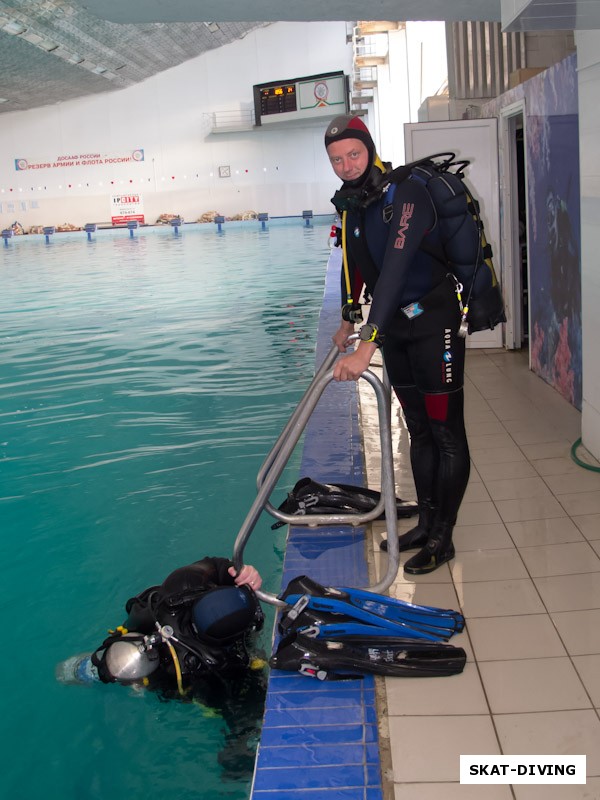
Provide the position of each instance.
(31, 37)
(99, 70)
(212, 26)
(3, 100)
(47, 45)
(13, 27)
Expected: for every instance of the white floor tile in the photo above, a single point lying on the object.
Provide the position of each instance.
(481, 513)
(506, 470)
(556, 466)
(450, 791)
(499, 598)
(491, 536)
(555, 530)
(428, 748)
(457, 694)
(490, 428)
(476, 493)
(530, 432)
(589, 791)
(527, 636)
(497, 455)
(560, 559)
(578, 503)
(570, 592)
(579, 630)
(589, 525)
(487, 565)
(588, 668)
(438, 595)
(529, 508)
(533, 452)
(497, 441)
(574, 482)
(537, 684)
(552, 732)
(517, 488)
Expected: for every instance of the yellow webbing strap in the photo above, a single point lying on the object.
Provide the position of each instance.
(349, 298)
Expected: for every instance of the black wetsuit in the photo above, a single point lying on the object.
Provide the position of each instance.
(224, 679)
(393, 246)
(171, 604)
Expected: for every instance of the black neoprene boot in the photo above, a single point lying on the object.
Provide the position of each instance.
(416, 537)
(437, 551)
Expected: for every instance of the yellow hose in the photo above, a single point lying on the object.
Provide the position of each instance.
(177, 667)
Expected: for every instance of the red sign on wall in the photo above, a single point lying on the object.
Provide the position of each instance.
(126, 208)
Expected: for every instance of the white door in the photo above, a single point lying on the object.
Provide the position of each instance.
(475, 140)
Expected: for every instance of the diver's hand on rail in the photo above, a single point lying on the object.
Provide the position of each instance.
(352, 366)
(248, 576)
(341, 336)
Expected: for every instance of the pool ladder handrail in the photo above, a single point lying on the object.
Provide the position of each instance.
(280, 453)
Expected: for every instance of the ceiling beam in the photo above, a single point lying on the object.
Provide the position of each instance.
(307, 10)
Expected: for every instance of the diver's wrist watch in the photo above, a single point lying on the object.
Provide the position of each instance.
(370, 333)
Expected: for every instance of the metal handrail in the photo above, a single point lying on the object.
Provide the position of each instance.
(328, 362)
(277, 459)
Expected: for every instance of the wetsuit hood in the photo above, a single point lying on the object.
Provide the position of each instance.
(367, 188)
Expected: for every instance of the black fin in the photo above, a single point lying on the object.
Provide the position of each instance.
(359, 655)
(311, 497)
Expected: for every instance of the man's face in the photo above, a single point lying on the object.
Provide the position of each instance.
(349, 158)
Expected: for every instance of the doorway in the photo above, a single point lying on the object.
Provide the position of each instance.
(515, 267)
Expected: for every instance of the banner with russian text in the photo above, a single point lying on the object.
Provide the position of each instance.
(68, 160)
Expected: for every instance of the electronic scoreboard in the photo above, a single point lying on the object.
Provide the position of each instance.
(306, 98)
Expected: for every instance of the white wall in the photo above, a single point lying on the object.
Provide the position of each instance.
(588, 66)
(417, 67)
(281, 171)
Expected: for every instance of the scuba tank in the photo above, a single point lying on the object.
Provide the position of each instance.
(126, 659)
(77, 669)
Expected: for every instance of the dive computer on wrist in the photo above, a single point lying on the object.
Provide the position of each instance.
(370, 333)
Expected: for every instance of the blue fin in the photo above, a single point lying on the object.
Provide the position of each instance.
(317, 629)
(390, 606)
(312, 603)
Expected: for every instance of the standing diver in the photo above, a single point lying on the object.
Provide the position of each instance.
(393, 247)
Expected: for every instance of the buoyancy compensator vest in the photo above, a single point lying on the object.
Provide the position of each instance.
(468, 254)
(180, 631)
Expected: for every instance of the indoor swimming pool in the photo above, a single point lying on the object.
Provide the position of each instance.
(143, 380)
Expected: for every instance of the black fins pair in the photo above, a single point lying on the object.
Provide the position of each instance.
(311, 497)
(338, 634)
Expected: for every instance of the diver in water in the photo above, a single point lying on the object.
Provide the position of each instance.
(195, 625)
(192, 638)
(393, 246)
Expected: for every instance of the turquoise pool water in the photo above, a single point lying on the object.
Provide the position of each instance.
(143, 381)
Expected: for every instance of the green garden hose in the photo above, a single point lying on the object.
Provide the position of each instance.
(578, 461)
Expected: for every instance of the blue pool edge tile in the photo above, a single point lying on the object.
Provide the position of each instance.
(325, 744)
